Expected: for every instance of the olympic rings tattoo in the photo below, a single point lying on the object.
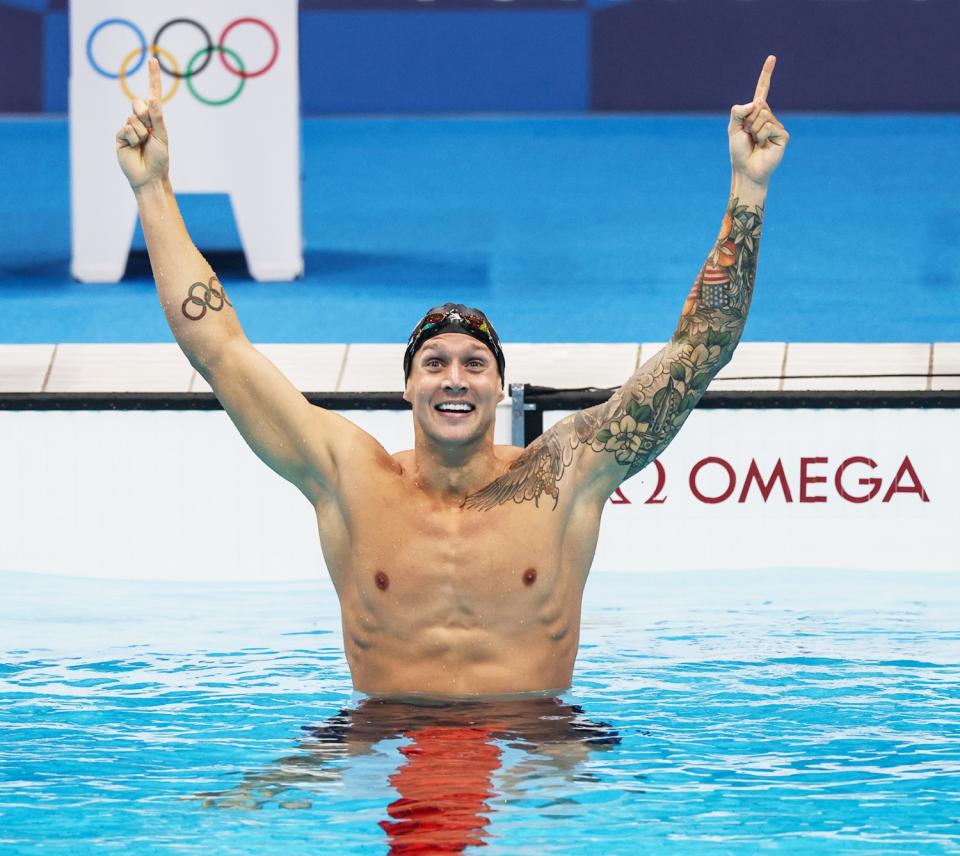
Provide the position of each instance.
(172, 68)
(219, 299)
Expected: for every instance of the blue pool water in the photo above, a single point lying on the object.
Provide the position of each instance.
(561, 229)
(793, 711)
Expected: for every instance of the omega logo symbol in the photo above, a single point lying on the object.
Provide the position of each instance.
(854, 480)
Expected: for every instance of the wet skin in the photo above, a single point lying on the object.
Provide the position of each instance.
(445, 600)
(438, 598)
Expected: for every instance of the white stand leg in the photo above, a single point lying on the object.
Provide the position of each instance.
(103, 220)
(268, 220)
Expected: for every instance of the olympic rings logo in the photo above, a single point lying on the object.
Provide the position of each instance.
(210, 298)
(196, 64)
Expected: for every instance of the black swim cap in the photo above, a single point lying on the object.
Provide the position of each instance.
(453, 318)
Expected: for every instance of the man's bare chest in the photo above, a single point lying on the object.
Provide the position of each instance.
(441, 578)
(404, 543)
(422, 541)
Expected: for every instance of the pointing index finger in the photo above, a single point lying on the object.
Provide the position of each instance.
(763, 84)
(155, 87)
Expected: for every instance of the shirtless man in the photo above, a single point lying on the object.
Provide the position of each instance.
(459, 565)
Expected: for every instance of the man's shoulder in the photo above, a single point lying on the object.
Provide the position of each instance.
(403, 460)
(356, 449)
(508, 454)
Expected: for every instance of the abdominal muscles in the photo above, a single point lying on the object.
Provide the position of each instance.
(453, 640)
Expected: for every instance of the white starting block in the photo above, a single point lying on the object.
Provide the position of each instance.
(231, 104)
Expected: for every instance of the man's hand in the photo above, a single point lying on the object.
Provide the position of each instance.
(142, 141)
(757, 138)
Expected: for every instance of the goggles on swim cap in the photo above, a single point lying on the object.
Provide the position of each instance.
(453, 318)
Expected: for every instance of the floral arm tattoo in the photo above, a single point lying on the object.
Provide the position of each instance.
(644, 415)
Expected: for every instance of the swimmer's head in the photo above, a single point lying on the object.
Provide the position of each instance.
(453, 318)
(453, 367)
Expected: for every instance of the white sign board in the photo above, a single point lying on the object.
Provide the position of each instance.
(857, 489)
(231, 104)
(178, 495)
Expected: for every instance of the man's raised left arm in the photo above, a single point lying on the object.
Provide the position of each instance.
(645, 414)
(607, 444)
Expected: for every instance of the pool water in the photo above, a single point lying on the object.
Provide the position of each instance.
(795, 711)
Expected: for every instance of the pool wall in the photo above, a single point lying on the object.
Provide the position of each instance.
(177, 495)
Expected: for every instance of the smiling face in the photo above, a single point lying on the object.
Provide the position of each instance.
(454, 387)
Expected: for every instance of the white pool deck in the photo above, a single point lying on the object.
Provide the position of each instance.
(756, 366)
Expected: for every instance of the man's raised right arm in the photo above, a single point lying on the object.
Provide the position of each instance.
(289, 434)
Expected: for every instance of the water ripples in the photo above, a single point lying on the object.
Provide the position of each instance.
(709, 714)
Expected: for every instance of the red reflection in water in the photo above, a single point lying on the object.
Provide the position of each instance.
(443, 786)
